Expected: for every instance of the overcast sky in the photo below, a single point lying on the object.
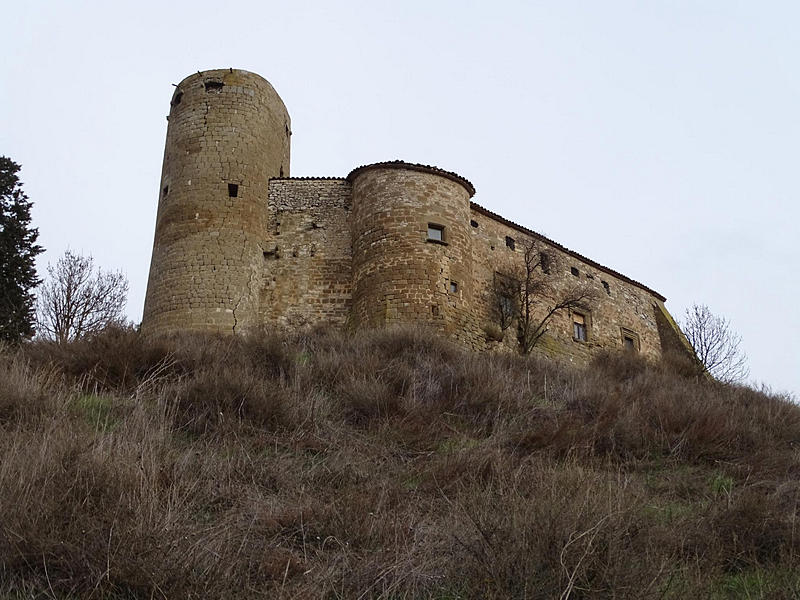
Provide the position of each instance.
(659, 138)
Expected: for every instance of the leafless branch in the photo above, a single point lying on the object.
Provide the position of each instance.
(529, 297)
(76, 300)
(717, 346)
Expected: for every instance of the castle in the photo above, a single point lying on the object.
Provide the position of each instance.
(240, 244)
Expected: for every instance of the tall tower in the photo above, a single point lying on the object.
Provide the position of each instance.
(412, 257)
(228, 133)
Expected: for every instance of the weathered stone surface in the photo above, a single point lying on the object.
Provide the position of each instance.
(226, 128)
(240, 244)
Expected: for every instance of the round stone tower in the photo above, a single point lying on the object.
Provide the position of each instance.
(412, 259)
(228, 133)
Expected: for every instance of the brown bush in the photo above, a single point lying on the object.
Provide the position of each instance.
(384, 464)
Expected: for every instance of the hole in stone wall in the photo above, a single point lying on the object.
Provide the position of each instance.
(473, 223)
(434, 310)
(453, 287)
(544, 261)
(165, 191)
(510, 243)
(574, 271)
(233, 190)
(176, 99)
(607, 287)
(213, 86)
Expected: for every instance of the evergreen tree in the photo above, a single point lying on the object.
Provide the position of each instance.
(18, 249)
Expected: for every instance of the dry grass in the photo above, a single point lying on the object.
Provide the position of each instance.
(385, 465)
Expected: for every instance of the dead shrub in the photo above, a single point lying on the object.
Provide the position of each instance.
(223, 399)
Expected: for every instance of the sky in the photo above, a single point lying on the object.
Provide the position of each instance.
(661, 139)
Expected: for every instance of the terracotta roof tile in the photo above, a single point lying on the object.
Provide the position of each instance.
(400, 164)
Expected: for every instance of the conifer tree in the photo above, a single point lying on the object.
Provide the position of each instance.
(18, 250)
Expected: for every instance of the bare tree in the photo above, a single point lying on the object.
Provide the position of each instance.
(717, 346)
(528, 296)
(76, 300)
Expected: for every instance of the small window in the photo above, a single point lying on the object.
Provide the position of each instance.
(214, 86)
(233, 190)
(630, 340)
(435, 232)
(176, 99)
(474, 223)
(510, 243)
(607, 287)
(545, 261)
(165, 191)
(579, 327)
(574, 271)
(453, 287)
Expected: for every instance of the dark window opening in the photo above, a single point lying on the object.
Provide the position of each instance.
(435, 232)
(176, 99)
(434, 310)
(589, 276)
(510, 242)
(165, 191)
(574, 271)
(214, 86)
(473, 222)
(578, 327)
(453, 287)
(233, 190)
(607, 287)
(630, 340)
(545, 262)
(281, 172)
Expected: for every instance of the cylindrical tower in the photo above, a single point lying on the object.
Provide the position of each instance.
(412, 259)
(228, 134)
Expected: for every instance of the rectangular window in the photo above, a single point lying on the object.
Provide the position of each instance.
(574, 271)
(435, 232)
(510, 243)
(630, 340)
(233, 190)
(579, 327)
(453, 287)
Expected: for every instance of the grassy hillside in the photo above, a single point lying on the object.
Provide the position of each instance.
(385, 466)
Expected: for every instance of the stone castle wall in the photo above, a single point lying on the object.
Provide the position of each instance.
(228, 134)
(399, 274)
(618, 305)
(307, 258)
(239, 244)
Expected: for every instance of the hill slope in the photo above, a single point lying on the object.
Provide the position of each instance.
(386, 465)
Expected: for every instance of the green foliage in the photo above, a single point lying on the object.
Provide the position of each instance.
(18, 250)
(97, 410)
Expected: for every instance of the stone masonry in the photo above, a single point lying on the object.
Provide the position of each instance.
(240, 245)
